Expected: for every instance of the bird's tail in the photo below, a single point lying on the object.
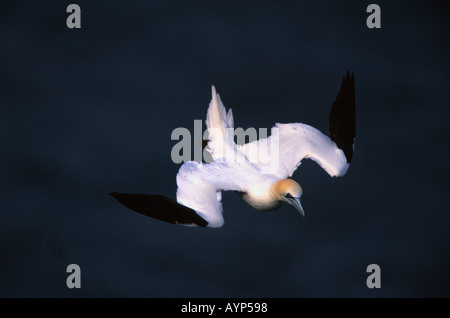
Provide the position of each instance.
(220, 125)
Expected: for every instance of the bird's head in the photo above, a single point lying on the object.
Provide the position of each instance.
(289, 191)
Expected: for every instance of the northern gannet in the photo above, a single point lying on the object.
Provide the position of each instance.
(240, 167)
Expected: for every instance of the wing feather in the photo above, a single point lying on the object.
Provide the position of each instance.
(161, 208)
(342, 121)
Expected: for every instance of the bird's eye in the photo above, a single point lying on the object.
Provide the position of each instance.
(289, 196)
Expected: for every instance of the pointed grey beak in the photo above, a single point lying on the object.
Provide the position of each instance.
(296, 203)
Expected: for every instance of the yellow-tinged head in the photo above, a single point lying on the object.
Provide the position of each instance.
(289, 191)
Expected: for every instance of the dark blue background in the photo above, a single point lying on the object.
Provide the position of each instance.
(89, 111)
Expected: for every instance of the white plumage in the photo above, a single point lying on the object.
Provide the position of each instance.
(257, 170)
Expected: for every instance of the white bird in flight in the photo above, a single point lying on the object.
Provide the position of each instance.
(200, 185)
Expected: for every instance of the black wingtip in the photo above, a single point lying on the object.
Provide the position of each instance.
(342, 121)
(160, 207)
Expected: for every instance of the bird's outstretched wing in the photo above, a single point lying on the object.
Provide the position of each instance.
(200, 186)
(291, 143)
(161, 208)
(198, 194)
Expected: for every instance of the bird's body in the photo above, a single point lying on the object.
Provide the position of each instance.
(198, 185)
(259, 170)
(262, 196)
